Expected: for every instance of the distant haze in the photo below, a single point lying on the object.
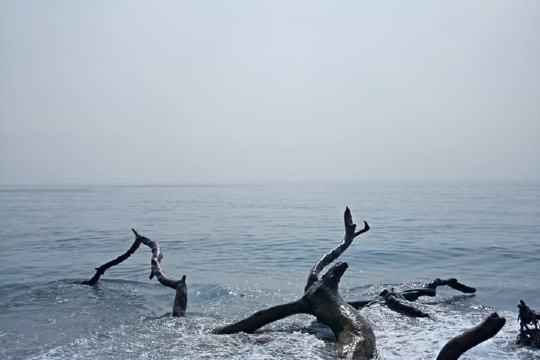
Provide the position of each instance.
(255, 91)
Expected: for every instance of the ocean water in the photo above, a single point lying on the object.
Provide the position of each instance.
(247, 247)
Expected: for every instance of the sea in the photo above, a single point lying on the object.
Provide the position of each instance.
(246, 247)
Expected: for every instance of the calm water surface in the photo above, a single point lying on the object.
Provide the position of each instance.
(247, 247)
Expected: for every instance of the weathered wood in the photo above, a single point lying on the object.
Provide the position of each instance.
(393, 298)
(453, 283)
(472, 337)
(321, 299)
(263, 317)
(332, 255)
(414, 294)
(394, 304)
(100, 270)
(353, 333)
(180, 299)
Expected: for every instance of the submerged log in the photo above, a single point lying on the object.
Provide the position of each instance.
(321, 298)
(453, 283)
(392, 298)
(472, 337)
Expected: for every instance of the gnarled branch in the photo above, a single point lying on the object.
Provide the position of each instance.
(332, 255)
(180, 299)
(321, 299)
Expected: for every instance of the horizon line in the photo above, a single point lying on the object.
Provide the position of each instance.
(271, 182)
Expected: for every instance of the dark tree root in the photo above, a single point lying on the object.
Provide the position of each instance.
(392, 298)
(180, 299)
(472, 337)
(321, 299)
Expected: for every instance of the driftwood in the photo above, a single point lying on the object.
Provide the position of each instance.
(526, 317)
(100, 270)
(392, 298)
(472, 337)
(180, 299)
(321, 298)
(353, 333)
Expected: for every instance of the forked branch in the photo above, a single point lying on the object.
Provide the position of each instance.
(332, 255)
(321, 299)
(180, 299)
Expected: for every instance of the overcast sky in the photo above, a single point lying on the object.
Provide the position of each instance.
(254, 91)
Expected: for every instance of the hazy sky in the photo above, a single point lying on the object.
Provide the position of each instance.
(249, 91)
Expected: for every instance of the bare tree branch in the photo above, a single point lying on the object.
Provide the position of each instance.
(263, 317)
(332, 255)
(393, 303)
(101, 269)
(180, 299)
(453, 283)
(472, 337)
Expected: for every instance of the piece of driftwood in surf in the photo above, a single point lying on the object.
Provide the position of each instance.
(528, 317)
(100, 270)
(472, 337)
(394, 299)
(180, 299)
(321, 298)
